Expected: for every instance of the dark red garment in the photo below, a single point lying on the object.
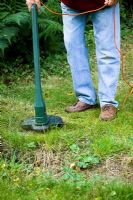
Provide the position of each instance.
(84, 5)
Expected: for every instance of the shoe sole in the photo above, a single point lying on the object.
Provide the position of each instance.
(109, 119)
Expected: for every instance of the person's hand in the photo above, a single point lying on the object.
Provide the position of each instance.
(110, 2)
(30, 2)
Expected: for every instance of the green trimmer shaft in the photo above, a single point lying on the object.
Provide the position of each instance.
(41, 121)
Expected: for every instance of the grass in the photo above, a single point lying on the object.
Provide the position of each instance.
(42, 188)
(105, 137)
(86, 159)
(82, 135)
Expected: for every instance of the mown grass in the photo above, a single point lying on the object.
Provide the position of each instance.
(17, 104)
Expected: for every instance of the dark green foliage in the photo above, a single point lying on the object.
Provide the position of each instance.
(16, 36)
(50, 29)
(127, 13)
(15, 25)
(13, 19)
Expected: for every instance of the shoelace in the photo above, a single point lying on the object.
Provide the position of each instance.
(108, 108)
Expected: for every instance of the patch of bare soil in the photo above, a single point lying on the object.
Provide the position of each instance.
(117, 166)
(50, 161)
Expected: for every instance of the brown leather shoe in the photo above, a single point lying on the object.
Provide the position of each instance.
(80, 107)
(108, 112)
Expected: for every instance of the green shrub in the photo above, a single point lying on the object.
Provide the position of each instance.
(15, 19)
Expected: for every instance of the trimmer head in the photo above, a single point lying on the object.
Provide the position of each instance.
(53, 121)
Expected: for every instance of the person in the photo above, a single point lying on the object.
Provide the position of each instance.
(108, 59)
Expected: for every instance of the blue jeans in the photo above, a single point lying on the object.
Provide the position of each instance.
(108, 59)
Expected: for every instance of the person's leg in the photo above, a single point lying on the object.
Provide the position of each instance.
(108, 58)
(77, 55)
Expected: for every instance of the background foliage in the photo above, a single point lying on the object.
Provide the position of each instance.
(15, 25)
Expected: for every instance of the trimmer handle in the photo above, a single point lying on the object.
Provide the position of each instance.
(34, 6)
